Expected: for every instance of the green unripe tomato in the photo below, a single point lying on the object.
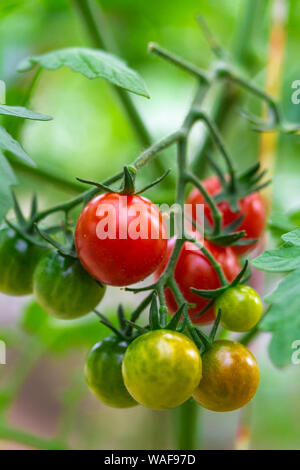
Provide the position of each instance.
(63, 287)
(18, 260)
(241, 308)
(103, 373)
(161, 369)
(230, 377)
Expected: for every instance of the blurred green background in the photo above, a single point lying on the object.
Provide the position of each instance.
(91, 137)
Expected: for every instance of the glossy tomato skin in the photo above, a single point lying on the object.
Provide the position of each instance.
(18, 260)
(193, 269)
(63, 287)
(230, 377)
(252, 207)
(103, 373)
(161, 369)
(120, 261)
(241, 308)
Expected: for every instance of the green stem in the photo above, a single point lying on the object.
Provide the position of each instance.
(137, 312)
(216, 136)
(68, 205)
(255, 90)
(248, 337)
(217, 216)
(96, 36)
(9, 433)
(187, 423)
(140, 161)
(156, 148)
(163, 311)
(179, 62)
(227, 98)
(217, 267)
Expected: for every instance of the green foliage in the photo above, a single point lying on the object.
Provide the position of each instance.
(7, 142)
(20, 111)
(92, 64)
(282, 318)
(7, 179)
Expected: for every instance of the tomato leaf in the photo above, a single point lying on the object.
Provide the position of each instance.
(7, 179)
(19, 111)
(91, 63)
(283, 259)
(292, 237)
(283, 319)
(7, 142)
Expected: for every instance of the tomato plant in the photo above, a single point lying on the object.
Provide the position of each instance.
(113, 259)
(230, 377)
(252, 209)
(161, 369)
(64, 288)
(103, 372)
(164, 358)
(194, 269)
(241, 308)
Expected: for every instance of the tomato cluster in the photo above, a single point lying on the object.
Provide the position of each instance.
(162, 367)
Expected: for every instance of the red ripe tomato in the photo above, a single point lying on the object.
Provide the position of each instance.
(193, 269)
(120, 239)
(252, 207)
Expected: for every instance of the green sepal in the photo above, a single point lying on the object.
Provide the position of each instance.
(24, 234)
(209, 294)
(227, 239)
(64, 251)
(137, 327)
(154, 315)
(121, 317)
(104, 187)
(204, 310)
(214, 329)
(240, 275)
(261, 125)
(154, 183)
(18, 212)
(109, 325)
(172, 325)
(33, 209)
(128, 180)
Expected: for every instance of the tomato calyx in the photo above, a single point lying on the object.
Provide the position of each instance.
(120, 332)
(246, 183)
(232, 189)
(25, 226)
(67, 250)
(127, 187)
(202, 340)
